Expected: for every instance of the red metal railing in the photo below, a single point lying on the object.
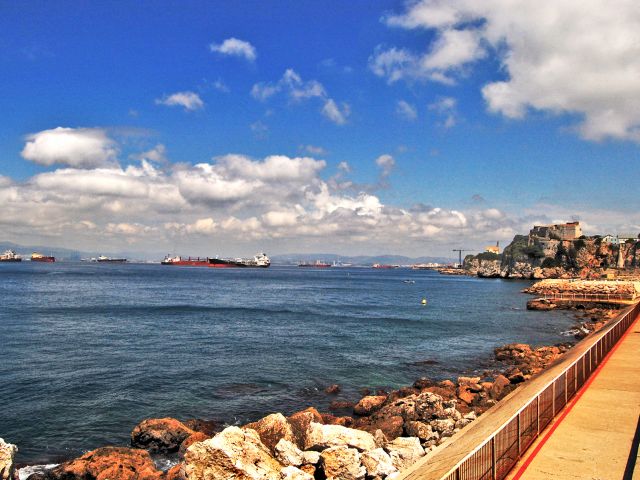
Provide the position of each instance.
(494, 458)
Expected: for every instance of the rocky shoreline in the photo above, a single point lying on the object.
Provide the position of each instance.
(385, 432)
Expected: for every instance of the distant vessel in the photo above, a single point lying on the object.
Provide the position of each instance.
(103, 259)
(260, 260)
(316, 264)
(38, 257)
(378, 265)
(10, 256)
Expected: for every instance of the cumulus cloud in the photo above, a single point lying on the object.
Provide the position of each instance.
(298, 90)
(406, 111)
(235, 48)
(76, 147)
(572, 57)
(190, 101)
(386, 163)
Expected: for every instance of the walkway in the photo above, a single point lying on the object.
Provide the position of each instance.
(596, 436)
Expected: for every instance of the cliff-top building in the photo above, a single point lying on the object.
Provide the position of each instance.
(559, 231)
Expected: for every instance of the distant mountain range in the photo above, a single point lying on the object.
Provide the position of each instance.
(284, 259)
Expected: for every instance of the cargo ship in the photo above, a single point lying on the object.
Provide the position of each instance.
(103, 259)
(260, 260)
(10, 256)
(38, 257)
(316, 264)
(378, 265)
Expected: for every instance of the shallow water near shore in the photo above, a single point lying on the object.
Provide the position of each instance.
(89, 350)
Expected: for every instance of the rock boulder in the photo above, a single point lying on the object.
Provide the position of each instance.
(163, 435)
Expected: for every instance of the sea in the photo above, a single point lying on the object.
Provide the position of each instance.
(89, 350)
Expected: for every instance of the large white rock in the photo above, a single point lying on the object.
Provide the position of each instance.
(310, 457)
(288, 453)
(404, 451)
(293, 473)
(234, 453)
(378, 463)
(321, 436)
(342, 463)
(7, 454)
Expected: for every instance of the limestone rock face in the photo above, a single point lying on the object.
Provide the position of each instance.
(342, 463)
(321, 436)
(7, 454)
(310, 457)
(300, 422)
(378, 463)
(234, 453)
(191, 439)
(293, 473)
(404, 451)
(272, 429)
(287, 453)
(160, 434)
(421, 430)
(368, 405)
(108, 463)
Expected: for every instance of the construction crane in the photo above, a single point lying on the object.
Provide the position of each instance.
(460, 250)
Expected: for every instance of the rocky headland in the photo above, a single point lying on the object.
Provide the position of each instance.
(531, 257)
(375, 438)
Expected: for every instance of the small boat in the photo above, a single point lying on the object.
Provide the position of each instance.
(409, 282)
(316, 264)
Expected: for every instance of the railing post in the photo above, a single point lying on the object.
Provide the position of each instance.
(519, 443)
(538, 416)
(493, 457)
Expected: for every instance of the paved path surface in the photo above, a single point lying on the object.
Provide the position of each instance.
(595, 439)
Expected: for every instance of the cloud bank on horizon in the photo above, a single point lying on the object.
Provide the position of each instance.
(577, 63)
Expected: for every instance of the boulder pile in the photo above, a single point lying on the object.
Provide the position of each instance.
(578, 287)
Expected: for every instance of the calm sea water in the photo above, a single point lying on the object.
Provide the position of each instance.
(88, 350)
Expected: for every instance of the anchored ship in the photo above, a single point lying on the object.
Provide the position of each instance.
(10, 256)
(260, 260)
(38, 257)
(103, 259)
(316, 264)
(378, 265)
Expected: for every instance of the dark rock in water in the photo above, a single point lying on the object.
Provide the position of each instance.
(160, 435)
(402, 392)
(341, 405)
(422, 363)
(333, 389)
(423, 382)
(108, 463)
(208, 427)
(369, 404)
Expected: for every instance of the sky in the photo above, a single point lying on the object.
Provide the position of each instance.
(362, 127)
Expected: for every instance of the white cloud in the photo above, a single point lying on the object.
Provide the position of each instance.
(386, 163)
(236, 48)
(76, 147)
(189, 100)
(336, 114)
(577, 57)
(298, 90)
(406, 110)
(157, 154)
(313, 149)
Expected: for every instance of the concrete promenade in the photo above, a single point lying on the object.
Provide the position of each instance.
(593, 438)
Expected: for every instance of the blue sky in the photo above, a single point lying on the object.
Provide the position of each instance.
(549, 146)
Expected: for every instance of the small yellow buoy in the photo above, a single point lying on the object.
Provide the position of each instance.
(424, 301)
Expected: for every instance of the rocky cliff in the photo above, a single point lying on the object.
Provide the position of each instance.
(586, 257)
